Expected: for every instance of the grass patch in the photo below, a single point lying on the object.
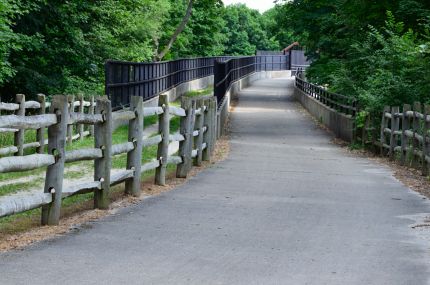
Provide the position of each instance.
(18, 187)
(72, 174)
(26, 220)
(23, 221)
(201, 92)
(7, 139)
(150, 120)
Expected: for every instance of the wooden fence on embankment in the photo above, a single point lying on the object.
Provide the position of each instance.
(403, 135)
(21, 107)
(196, 143)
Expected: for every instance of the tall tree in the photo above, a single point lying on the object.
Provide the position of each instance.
(178, 30)
(377, 51)
(246, 32)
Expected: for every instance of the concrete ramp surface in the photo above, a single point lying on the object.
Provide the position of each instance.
(286, 207)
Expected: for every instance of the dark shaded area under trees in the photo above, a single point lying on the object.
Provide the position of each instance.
(376, 51)
(59, 47)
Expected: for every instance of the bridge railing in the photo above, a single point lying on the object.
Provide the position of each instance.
(341, 103)
(230, 71)
(147, 80)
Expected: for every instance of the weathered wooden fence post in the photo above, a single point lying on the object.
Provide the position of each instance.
(394, 128)
(19, 135)
(40, 134)
(198, 141)
(215, 123)
(91, 112)
(426, 143)
(70, 101)
(384, 124)
(103, 140)
(80, 127)
(207, 137)
(163, 146)
(405, 127)
(186, 129)
(415, 141)
(55, 172)
(135, 135)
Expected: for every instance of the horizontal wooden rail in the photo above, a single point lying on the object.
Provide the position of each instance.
(150, 111)
(83, 154)
(81, 118)
(151, 141)
(409, 128)
(15, 204)
(176, 111)
(176, 138)
(81, 188)
(8, 130)
(196, 135)
(150, 166)
(28, 122)
(123, 116)
(122, 148)
(24, 163)
(121, 176)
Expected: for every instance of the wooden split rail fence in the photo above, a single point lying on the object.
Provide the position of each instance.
(22, 108)
(404, 135)
(196, 138)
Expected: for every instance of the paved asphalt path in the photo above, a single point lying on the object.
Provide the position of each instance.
(286, 207)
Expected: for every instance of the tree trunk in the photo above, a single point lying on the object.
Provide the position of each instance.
(178, 30)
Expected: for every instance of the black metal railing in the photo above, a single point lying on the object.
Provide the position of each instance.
(272, 62)
(230, 71)
(341, 103)
(126, 79)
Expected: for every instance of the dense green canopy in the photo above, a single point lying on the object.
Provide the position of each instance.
(55, 46)
(377, 51)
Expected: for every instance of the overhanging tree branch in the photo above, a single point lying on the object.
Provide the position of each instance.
(178, 30)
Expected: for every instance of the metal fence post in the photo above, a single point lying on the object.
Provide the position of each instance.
(219, 75)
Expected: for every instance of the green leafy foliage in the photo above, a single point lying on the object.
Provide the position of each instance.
(246, 32)
(376, 51)
(59, 47)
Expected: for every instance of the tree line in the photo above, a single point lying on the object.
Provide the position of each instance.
(59, 47)
(376, 51)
